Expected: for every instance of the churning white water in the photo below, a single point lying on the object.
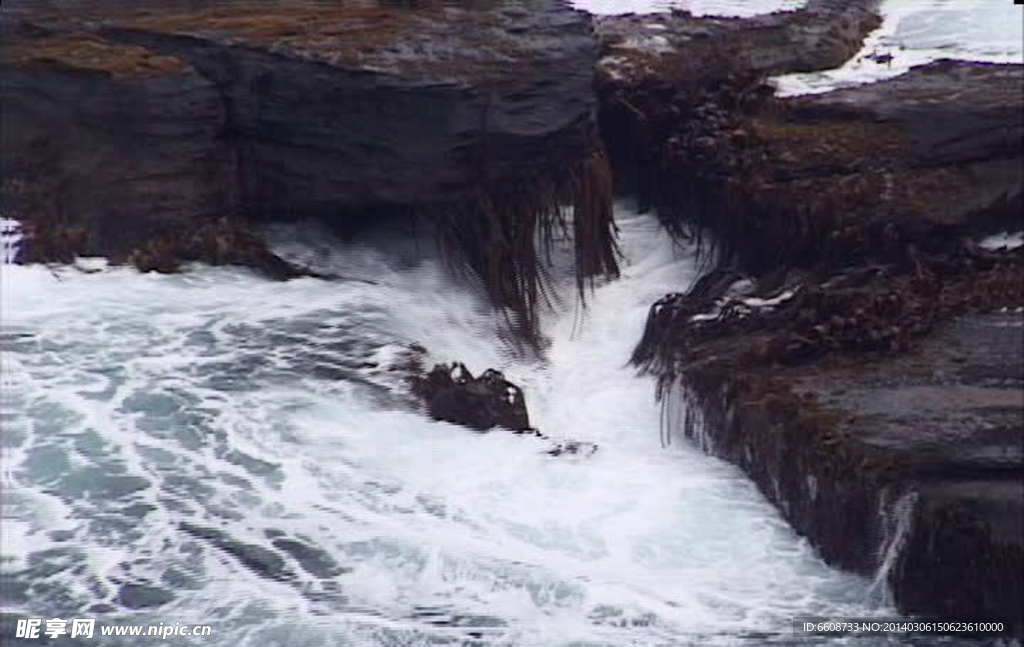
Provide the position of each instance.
(214, 448)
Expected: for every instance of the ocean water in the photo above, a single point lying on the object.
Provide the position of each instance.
(213, 448)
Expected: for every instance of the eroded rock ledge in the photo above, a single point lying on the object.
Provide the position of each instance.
(123, 126)
(855, 350)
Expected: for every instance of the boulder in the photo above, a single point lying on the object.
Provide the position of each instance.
(906, 469)
(878, 406)
(451, 393)
(852, 175)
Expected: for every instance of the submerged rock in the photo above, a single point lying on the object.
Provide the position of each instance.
(838, 178)
(141, 596)
(873, 394)
(314, 560)
(844, 350)
(260, 560)
(573, 448)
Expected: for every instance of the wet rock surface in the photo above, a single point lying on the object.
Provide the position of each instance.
(293, 109)
(839, 178)
(453, 394)
(661, 77)
(141, 596)
(124, 125)
(854, 349)
(907, 467)
(879, 406)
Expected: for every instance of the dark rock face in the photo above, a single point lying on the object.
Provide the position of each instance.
(660, 77)
(452, 394)
(104, 159)
(141, 596)
(298, 109)
(339, 114)
(122, 124)
(854, 351)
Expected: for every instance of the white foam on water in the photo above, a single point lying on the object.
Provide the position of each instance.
(916, 32)
(250, 407)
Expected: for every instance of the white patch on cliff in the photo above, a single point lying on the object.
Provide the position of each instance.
(1005, 240)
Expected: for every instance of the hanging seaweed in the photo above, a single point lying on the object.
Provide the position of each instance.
(503, 233)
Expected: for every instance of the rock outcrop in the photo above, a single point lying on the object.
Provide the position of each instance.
(123, 123)
(908, 469)
(453, 394)
(854, 349)
(843, 176)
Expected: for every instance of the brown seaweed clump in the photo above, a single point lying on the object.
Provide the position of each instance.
(789, 318)
(501, 236)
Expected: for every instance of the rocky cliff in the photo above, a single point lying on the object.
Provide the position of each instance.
(122, 124)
